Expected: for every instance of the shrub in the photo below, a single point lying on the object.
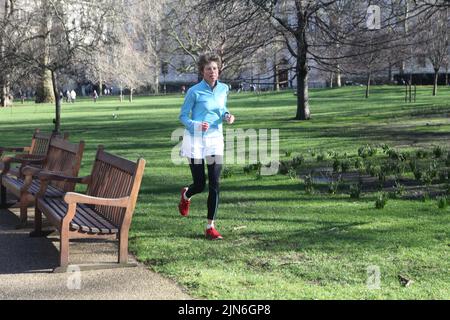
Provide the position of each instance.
(321, 157)
(438, 152)
(355, 191)
(284, 168)
(297, 161)
(421, 154)
(413, 165)
(358, 163)
(442, 202)
(417, 174)
(292, 173)
(336, 165)
(367, 151)
(309, 187)
(427, 178)
(253, 168)
(444, 175)
(374, 171)
(393, 154)
(385, 148)
(334, 186)
(426, 197)
(345, 165)
(226, 173)
(381, 201)
(399, 189)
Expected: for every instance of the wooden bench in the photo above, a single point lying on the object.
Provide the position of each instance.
(40, 143)
(39, 146)
(104, 212)
(62, 156)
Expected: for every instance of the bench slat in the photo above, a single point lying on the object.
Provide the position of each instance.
(85, 219)
(14, 183)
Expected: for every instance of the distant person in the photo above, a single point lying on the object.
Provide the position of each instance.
(68, 98)
(183, 90)
(73, 96)
(241, 87)
(95, 95)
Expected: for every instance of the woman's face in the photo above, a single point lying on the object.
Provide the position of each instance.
(211, 72)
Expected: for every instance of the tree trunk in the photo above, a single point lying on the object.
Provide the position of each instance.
(45, 87)
(331, 79)
(338, 77)
(156, 86)
(121, 94)
(276, 85)
(368, 85)
(100, 84)
(4, 78)
(45, 93)
(131, 95)
(57, 120)
(390, 78)
(303, 112)
(276, 79)
(5, 99)
(436, 76)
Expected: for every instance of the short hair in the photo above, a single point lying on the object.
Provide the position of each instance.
(208, 58)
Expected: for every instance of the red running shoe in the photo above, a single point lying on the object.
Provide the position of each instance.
(183, 206)
(213, 234)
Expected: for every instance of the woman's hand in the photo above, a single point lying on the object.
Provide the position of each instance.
(229, 118)
(205, 126)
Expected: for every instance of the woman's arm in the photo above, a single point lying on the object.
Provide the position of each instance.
(226, 115)
(186, 108)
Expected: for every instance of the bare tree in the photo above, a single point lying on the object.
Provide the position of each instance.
(435, 33)
(233, 31)
(133, 60)
(54, 35)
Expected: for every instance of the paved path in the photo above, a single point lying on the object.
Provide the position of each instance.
(26, 264)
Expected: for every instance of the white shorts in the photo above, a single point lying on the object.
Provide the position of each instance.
(198, 147)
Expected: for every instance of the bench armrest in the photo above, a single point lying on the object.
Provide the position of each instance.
(73, 198)
(46, 175)
(24, 159)
(30, 171)
(14, 149)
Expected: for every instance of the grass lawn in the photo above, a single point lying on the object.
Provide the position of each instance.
(279, 241)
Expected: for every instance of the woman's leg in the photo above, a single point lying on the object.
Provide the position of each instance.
(198, 176)
(214, 164)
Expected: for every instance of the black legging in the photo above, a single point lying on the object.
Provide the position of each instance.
(214, 164)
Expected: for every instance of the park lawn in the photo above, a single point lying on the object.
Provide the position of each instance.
(280, 242)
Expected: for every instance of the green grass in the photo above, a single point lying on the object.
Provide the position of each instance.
(280, 243)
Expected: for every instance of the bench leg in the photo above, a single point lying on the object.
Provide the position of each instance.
(123, 249)
(64, 248)
(3, 195)
(23, 217)
(37, 232)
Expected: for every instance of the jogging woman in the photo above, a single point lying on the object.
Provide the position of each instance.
(202, 114)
